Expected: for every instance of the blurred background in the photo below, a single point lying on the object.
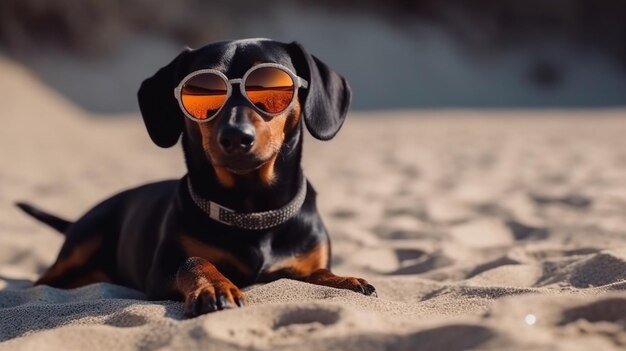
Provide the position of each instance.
(397, 54)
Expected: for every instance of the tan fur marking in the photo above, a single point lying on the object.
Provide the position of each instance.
(294, 117)
(215, 255)
(78, 256)
(225, 177)
(266, 172)
(269, 136)
(272, 140)
(304, 264)
(205, 132)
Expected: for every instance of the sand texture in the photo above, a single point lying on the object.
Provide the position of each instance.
(481, 230)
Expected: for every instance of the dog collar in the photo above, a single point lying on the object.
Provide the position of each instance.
(251, 220)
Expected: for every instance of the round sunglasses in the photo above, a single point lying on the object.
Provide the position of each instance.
(271, 88)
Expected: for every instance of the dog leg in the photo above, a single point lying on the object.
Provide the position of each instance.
(311, 267)
(327, 278)
(205, 289)
(74, 267)
(87, 255)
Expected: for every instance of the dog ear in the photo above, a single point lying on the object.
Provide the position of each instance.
(327, 99)
(161, 114)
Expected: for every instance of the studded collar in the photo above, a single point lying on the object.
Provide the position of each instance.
(250, 220)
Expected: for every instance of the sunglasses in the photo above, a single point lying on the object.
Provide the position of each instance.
(271, 88)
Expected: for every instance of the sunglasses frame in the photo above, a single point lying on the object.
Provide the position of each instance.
(298, 82)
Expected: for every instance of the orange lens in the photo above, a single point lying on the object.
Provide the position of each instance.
(204, 94)
(270, 89)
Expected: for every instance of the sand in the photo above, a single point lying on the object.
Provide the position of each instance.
(480, 229)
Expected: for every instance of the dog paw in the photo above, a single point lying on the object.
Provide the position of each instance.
(359, 285)
(210, 298)
(326, 278)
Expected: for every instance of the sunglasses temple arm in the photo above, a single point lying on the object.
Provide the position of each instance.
(303, 83)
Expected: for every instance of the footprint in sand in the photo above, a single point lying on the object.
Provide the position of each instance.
(601, 269)
(611, 310)
(605, 318)
(571, 200)
(304, 321)
(450, 338)
(416, 262)
(126, 320)
(525, 232)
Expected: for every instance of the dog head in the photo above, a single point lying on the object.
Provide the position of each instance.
(240, 139)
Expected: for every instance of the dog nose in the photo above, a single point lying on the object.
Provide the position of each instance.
(237, 139)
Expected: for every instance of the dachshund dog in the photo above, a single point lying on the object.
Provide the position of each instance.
(244, 213)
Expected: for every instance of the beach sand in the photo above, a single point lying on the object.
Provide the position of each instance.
(493, 230)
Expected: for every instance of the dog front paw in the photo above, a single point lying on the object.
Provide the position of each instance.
(210, 298)
(326, 278)
(356, 284)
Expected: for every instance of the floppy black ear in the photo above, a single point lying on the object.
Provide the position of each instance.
(161, 114)
(327, 99)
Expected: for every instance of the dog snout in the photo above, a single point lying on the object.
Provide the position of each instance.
(237, 139)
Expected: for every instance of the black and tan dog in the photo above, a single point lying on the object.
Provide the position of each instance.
(243, 214)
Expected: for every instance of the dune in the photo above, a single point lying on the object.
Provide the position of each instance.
(482, 230)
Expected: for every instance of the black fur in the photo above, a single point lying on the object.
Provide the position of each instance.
(161, 114)
(327, 100)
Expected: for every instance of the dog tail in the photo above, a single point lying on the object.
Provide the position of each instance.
(53, 221)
